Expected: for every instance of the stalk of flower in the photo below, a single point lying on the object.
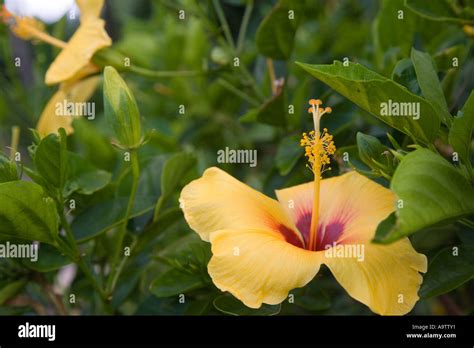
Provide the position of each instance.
(263, 248)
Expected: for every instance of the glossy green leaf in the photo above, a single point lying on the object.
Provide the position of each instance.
(404, 74)
(430, 191)
(427, 76)
(27, 213)
(84, 178)
(8, 171)
(276, 33)
(121, 109)
(373, 92)
(370, 148)
(460, 134)
(175, 282)
(51, 160)
(448, 270)
(228, 304)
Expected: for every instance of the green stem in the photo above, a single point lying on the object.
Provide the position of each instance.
(121, 266)
(72, 250)
(115, 270)
(238, 92)
(223, 21)
(158, 207)
(163, 73)
(244, 25)
(15, 141)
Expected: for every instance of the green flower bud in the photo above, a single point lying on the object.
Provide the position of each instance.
(121, 110)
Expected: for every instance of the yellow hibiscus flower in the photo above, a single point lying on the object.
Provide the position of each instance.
(263, 248)
(72, 65)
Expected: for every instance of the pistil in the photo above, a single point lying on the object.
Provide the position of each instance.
(318, 146)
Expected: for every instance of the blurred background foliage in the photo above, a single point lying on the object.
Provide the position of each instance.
(228, 106)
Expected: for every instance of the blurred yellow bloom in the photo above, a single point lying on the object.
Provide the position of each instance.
(77, 92)
(74, 61)
(263, 248)
(71, 65)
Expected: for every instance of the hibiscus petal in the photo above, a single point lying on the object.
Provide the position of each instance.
(90, 9)
(259, 266)
(388, 278)
(218, 201)
(88, 39)
(351, 207)
(50, 121)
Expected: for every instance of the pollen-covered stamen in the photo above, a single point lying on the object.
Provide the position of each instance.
(318, 147)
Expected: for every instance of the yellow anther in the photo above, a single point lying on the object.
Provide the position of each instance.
(314, 102)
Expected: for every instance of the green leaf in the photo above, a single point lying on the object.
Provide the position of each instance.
(10, 290)
(174, 171)
(370, 148)
(97, 219)
(84, 178)
(228, 304)
(175, 282)
(460, 134)
(404, 74)
(98, 149)
(439, 10)
(49, 259)
(8, 171)
(392, 35)
(51, 161)
(427, 77)
(431, 190)
(448, 270)
(371, 91)
(288, 153)
(276, 34)
(27, 213)
(272, 112)
(121, 109)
